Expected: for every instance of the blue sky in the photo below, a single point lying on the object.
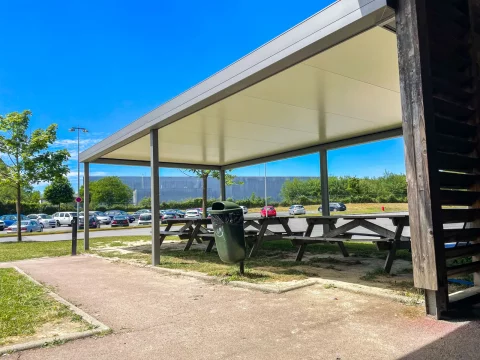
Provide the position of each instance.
(102, 64)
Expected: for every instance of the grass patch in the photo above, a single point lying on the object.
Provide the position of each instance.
(28, 250)
(372, 275)
(25, 306)
(258, 269)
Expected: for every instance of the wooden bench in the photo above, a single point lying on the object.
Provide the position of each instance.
(384, 238)
(211, 240)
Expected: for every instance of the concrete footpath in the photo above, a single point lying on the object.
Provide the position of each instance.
(168, 317)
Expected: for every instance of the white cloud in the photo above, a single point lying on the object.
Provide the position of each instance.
(73, 142)
(73, 174)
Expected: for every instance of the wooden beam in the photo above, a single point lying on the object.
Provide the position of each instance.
(429, 267)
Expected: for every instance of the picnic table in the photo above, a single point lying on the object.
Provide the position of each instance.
(384, 238)
(192, 229)
(262, 233)
(197, 230)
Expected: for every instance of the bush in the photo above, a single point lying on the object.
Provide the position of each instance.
(9, 207)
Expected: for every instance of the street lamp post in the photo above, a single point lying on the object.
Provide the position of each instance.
(78, 129)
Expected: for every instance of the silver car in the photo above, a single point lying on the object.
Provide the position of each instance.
(296, 210)
(26, 226)
(193, 214)
(101, 217)
(145, 219)
(47, 221)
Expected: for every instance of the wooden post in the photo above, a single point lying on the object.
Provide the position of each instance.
(155, 199)
(426, 227)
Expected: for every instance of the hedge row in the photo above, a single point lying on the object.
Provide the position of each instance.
(9, 207)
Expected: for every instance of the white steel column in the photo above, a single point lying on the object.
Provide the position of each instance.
(155, 190)
(86, 206)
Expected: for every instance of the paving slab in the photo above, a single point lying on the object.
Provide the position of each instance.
(170, 317)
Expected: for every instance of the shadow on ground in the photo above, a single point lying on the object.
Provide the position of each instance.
(461, 343)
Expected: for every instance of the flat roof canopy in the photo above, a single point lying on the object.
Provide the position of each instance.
(330, 81)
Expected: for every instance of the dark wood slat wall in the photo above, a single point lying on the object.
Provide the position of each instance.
(438, 62)
(474, 15)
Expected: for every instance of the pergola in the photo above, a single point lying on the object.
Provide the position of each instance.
(358, 71)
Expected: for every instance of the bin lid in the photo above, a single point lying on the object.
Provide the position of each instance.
(222, 207)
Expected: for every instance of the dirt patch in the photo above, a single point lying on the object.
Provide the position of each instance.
(58, 328)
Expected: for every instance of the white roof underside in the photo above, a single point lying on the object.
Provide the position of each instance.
(349, 90)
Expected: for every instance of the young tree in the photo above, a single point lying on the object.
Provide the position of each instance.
(59, 191)
(9, 193)
(26, 157)
(204, 174)
(146, 202)
(109, 190)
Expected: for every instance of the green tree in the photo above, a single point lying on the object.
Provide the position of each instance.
(297, 191)
(32, 196)
(59, 191)
(146, 202)
(109, 190)
(204, 174)
(9, 193)
(27, 159)
(353, 186)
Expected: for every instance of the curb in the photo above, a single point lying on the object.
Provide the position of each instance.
(99, 327)
(276, 288)
(370, 290)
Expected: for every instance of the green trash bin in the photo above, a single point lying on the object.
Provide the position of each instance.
(227, 220)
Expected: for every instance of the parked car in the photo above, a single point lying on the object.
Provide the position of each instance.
(193, 214)
(169, 215)
(113, 213)
(145, 219)
(179, 213)
(245, 210)
(93, 222)
(32, 216)
(47, 221)
(64, 218)
(120, 220)
(296, 210)
(137, 213)
(2, 225)
(268, 211)
(26, 226)
(335, 206)
(10, 219)
(102, 217)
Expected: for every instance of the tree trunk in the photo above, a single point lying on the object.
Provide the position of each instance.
(204, 196)
(19, 212)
